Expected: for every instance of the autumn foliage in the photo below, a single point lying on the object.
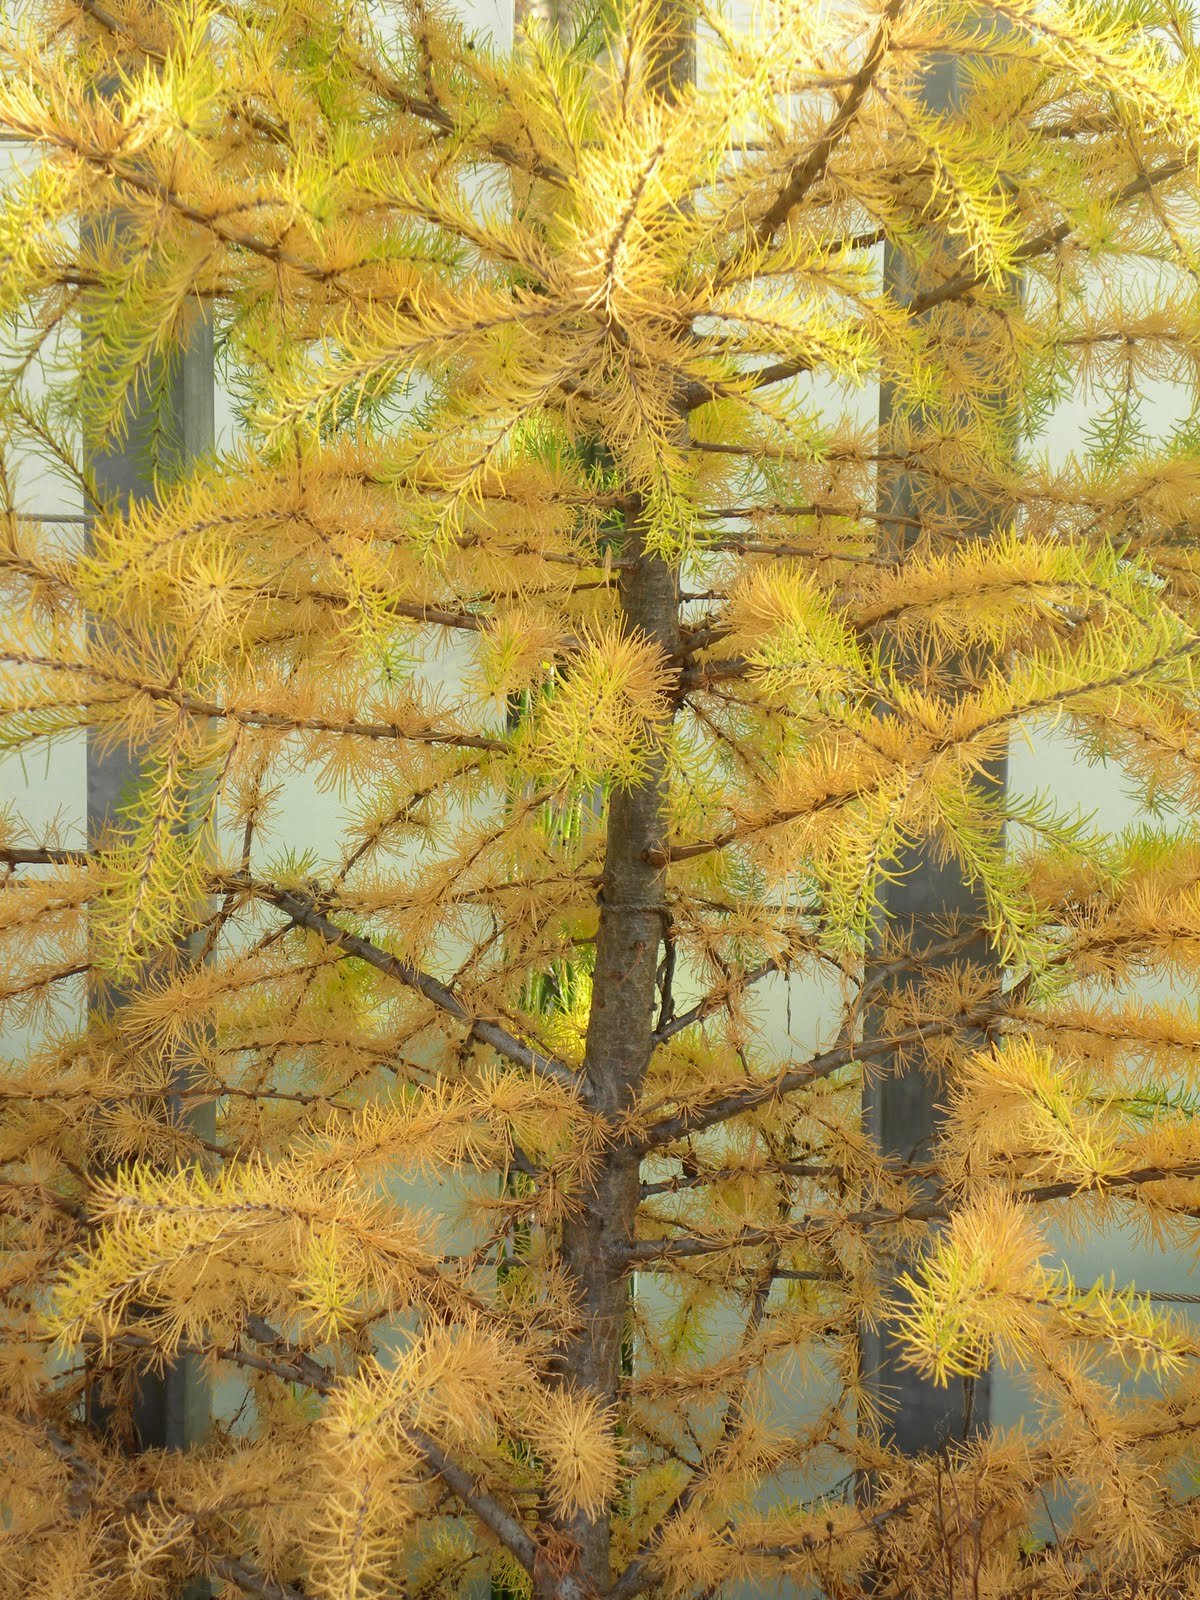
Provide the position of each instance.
(557, 545)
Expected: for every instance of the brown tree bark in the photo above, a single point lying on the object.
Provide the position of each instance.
(634, 917)
(596, 1241)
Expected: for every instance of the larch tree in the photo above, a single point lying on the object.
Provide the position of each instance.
(550, 373)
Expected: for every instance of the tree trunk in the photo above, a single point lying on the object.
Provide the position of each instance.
(633, 913)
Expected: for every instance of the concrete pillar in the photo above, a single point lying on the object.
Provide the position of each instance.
(901, 1112)
(170, 1409)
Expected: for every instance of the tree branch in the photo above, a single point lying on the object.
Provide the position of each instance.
(718, 1000)
(505, 1526)
(250, 1579)
(424, 110)
(1047, 242)
(235, 1568)
(112, 25)
(808, 171)
(748, 1238)
(303, 912)
(294, 1365)
(43, 856)
(932, 1210)
(254, 718)
(690, 1121)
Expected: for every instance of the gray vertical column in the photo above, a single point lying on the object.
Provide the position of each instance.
(170, 1408)
(901, 1109)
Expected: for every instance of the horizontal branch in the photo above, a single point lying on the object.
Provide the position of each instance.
(303, 911)
(699, 392)
(1045, 243)
(356, 730)
(783, 1169)
(43, 980)
(694, 1120)
(1068, 1188)
(696, 678)
(43, 856)
(790, 552)
(253, 717)
(749, 1238)
(853, 512)
(931, 1210)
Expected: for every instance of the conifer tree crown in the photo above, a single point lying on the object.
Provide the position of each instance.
(555, 541)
